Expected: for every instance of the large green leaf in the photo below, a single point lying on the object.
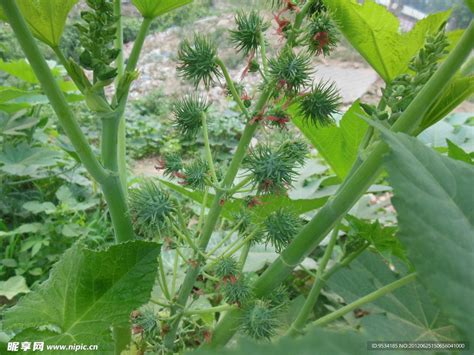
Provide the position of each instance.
(22, 160)
(13, 287)
(460, 88)
(316, 342)
(87, 293)
(434, 198)
(154, 8)
(46, 18)
(268, 204)
(338, 145)
(374, 32)
(407, 313)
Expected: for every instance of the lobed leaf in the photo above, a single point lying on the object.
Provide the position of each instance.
(87, 293)
(374, 32)
(434, 199)
(338, 145)
(407, 313)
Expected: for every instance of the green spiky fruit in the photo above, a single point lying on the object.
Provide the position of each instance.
(320, 105)
(290, 72)
(188, 113)
(280, 227)
(198, 61)
(226, 266)
(246, 37)
(260, 321)
(150, 209)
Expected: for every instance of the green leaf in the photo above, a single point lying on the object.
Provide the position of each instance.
(407, 313)
(374, 32)
(316, 342)
(20, 69)
(37, 207)
(434, 199)
(338, 145)
(457, 91)
(13, 287)
(382, 238)
(154, 8)
(269, 203)
(22, 160)
(15, 124)
(456, 152)
(8, 93)
(87, 293)
(46, 18)
(23, 229)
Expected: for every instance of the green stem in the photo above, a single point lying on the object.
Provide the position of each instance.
(263, 52)
(119, 39)
(313, 295)
(244, 254)
(109, 142)
(118, 209)
(52, 91)
(231, 87)
(212, 218)
(298, 22)
(351, 190)
(366, 299)
(217, 309)
(223, 240)
(164, 283)
(207, 146)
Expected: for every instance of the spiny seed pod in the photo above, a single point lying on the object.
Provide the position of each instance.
(150, 208)
(295, 150)
(317, 8)
(237, 290)
(147, 322)
(278, 297)
(171, 164)
(226, 267)
(320, 104)
(198, 61)
(246, 37)
(188, 113)
(97, 35)
(272, 171)
(278, 117)
(245, 219)
(260, 321)
(280, 227)
(290, 72)
(196, 174)
(321, 34)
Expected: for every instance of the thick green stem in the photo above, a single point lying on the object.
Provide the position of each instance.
(313, 295)
(52, 91)
(121, 134)
(217, 309)
(109, 142)
(211, 221)
(366, 299)
(138, 45)
(351, 190)
(118, 208)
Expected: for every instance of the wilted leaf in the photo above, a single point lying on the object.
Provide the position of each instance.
(13, 286)
(434, 199)
(374, 32)
(338, 145)
(87, 293)
(154, 8)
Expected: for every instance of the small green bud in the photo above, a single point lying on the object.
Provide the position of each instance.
(237, 289)
(226, 267)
